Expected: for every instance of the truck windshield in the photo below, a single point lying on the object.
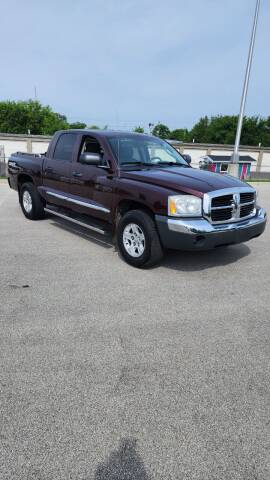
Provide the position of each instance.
(144, 151)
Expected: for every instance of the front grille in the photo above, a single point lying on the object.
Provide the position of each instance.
(246, 210)
(223, 201)
(221, 215)
(247, 197)
(232, 206)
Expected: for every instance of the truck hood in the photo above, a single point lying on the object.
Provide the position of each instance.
(179, 179)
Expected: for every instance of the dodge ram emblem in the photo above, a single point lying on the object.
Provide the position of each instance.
(235, 203)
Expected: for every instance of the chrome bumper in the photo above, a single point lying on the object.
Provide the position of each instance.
(200, 226)
(199, 234)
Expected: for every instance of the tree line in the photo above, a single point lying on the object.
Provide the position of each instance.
(220, 129)
(32, 117)
(24, 117)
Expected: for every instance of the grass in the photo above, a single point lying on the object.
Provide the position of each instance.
(258, 180)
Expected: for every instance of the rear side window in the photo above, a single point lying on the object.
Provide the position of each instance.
(65, 146)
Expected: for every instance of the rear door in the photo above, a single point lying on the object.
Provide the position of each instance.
(57, 169)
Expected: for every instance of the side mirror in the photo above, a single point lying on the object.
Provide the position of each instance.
(90, 158)
(187, 158)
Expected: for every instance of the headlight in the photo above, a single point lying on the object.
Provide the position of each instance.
(184, 206)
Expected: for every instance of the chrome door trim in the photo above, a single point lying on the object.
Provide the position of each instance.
(78, 202)
(57, 195)
(85, 204)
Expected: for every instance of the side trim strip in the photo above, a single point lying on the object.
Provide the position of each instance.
(82, 224)
(89, 205)
(79, 202)
(57, 195)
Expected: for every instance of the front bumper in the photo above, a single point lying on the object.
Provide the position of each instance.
(199, 234)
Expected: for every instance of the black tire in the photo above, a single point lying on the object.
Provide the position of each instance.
(37, 210)
(152, 253)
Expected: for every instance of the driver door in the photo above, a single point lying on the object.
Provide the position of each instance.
(91, 185)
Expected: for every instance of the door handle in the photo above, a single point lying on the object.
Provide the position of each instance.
(48, 169)
(76, 174)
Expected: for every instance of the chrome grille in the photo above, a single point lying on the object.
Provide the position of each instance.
(230, 205)
(247, 197)
(246, 210)
(223, 201)
(221, 215)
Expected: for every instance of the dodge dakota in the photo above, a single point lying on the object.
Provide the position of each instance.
(139, 188)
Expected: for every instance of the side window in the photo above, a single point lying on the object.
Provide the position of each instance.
(91, 145)
(65, 146)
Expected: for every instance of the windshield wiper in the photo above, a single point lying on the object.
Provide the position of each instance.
(171, 164)
(144, 164)
(158, 164)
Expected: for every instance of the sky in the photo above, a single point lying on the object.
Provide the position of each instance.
(125, 63)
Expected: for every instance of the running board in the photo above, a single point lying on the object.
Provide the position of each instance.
(78, 222)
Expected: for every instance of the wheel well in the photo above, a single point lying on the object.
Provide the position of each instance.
(23, 178)
(127, 205)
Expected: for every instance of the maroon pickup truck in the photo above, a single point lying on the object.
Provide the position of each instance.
(140, 189)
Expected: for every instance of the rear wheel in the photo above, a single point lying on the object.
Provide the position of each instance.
(138, 239)
(31, 202)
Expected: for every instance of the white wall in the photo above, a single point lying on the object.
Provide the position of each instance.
(39, 147)
(266, 162)
(11, 146)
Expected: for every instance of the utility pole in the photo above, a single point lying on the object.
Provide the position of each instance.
(150, 125)
(233, 167)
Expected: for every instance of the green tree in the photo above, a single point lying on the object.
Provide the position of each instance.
(221, 129)
(265, 134)
(22, 117)
(181, 134)
(255, 130)
(94, 127)
(77, 125)
(53, 122)
(161, 131)
(138, 129)
(199, 131)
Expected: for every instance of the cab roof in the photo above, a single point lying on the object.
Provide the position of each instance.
(105, 133)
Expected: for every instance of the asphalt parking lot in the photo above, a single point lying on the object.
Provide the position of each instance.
(112, 373)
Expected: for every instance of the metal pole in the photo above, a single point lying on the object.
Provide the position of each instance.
(235, 155)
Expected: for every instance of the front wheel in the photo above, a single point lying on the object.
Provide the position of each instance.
(138, 239)
(31, 202)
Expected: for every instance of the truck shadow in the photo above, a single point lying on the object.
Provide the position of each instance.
(103, 241)
(173, 259)
(196, 261)
(122, 464)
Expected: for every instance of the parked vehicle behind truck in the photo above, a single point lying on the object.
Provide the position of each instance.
(138, 188)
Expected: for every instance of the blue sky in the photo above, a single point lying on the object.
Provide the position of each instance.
(131, 62)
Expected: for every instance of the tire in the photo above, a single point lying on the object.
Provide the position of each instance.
(138, 240)
(31, 202)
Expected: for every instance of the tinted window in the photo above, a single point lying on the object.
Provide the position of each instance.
(65, 146)
(132, 149)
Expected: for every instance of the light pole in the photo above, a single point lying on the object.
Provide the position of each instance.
(233, 167)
